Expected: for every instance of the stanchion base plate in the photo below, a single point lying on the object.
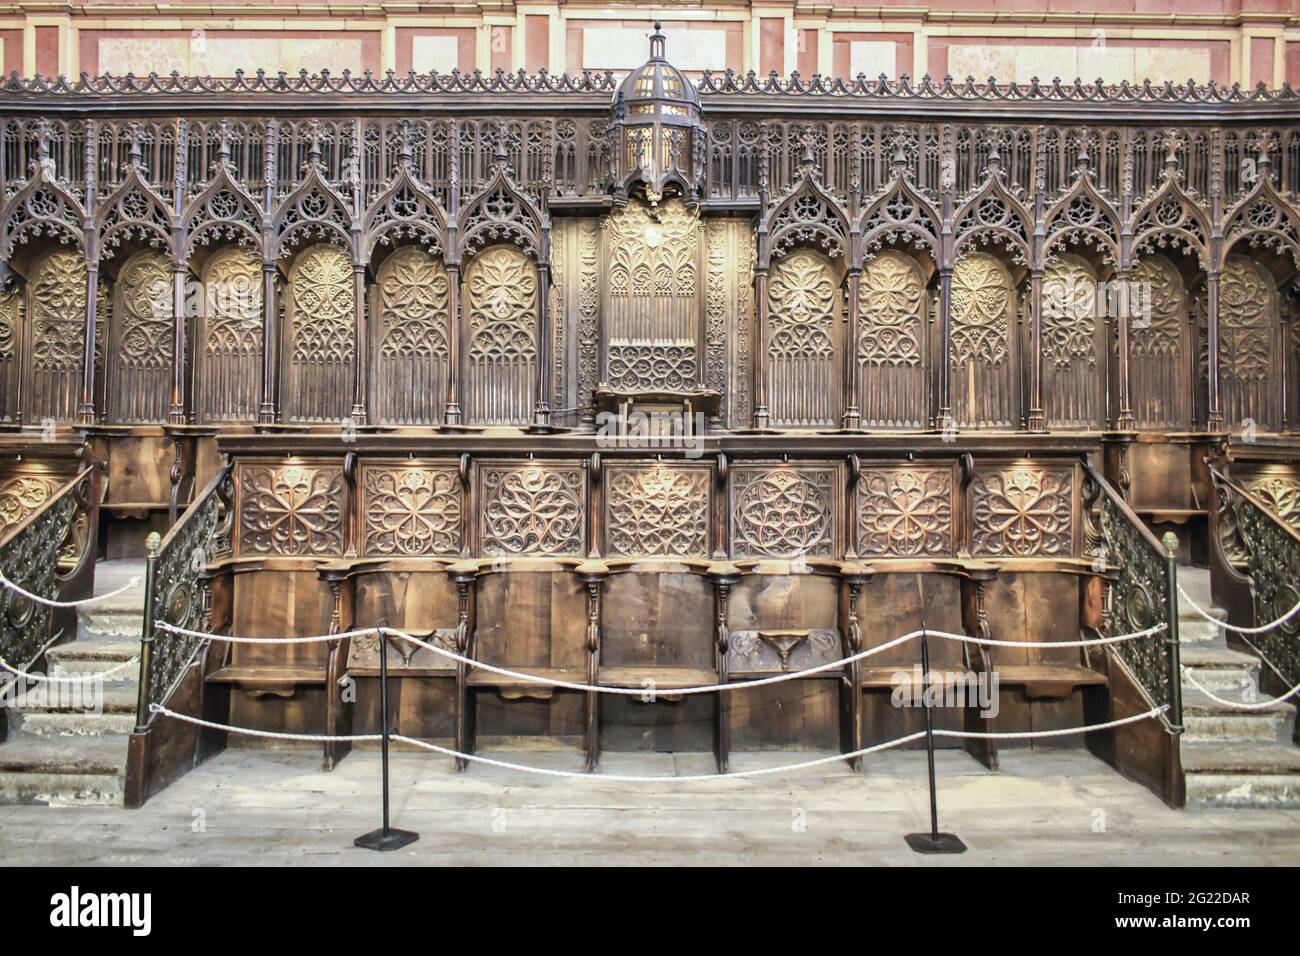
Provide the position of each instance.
(925, 843)
(384, 841)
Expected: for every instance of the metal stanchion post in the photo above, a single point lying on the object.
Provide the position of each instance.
(385, 838)
(934, 841)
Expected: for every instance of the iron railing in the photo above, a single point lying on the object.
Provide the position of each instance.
(1142, 593)
(49, 553)
(176, 591)
(1257, 544)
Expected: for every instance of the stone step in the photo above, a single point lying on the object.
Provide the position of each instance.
(1207, 721)
(101, 621)
(95, 655)
(88, 756)
(61, 789)
(23, 723)
(1218, 667)
(1255, 776)
(1197, 630)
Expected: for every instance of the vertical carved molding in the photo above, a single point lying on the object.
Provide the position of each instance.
(86, 412)
(589, 284)
(268, 410)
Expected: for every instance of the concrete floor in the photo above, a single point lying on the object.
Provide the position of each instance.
(276, 807)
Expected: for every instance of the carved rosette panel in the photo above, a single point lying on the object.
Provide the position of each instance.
(142, 347)
(411, 510)
(57, 306)
(891, 351)
(533, 510)
(1021, 511)
(783, 512)
(905, 511)
(501, 304)
(291, 509)
(657, 510)
(231, 359)
(1158, 345)
(321, 305)
(803, 322)
(20, 495)
(653, 283)
(1280, 493)
(412, 353)
(1248, 351)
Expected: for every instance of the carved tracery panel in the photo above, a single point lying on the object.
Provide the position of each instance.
(230, 355)
(319, 309)
(657, 510)
(411, 353)
(501, 354)
(1159, 375)
(784, 511)
(1073, 344)
(1022, 511)
(57, 307)
(803, 341)
(985, 369)
(291, 510)
(532, 509)
(905, 511)
(1250, 366)
(893, 347)
(653, 286)
(411, 509)
(141, 347)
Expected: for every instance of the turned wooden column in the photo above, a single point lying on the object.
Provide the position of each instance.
(943, 414)
(1124, 420)
(86, 413)
(1214, 409)
(176, 413)
(542, 405)
(451, 413)
(760, 349)
(269, 407)
(361, 364)
(852, 411)
(1036, 420)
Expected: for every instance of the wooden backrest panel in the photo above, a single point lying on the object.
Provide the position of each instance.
(659, 618)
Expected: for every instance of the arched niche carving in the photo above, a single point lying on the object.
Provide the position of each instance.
(55, 339)
(319, 335)
(229, 346)
(140, 341)
(985, 359)
(1159, 344)
(410, 349)
(652, 298)
(1073, 343)
(804, 341)
(1250, 345)
(894, 351)
(500, 365)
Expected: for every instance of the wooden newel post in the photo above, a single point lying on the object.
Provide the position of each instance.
(147, 636)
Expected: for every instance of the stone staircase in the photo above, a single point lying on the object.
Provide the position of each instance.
(72, 750)
(1231, 757)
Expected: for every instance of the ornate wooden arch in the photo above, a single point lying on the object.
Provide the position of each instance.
(312, 213)
(43, 207)
(405, 210)
(1262, 218)
(134, 212)
(1170, 217)
(223, 212)
(807, 215)
(500, 212)
(901, 213)
(1083, 215)
(993, 216)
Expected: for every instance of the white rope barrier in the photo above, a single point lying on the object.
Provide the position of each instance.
(626, 778)
(673, 691)
(1232, 627)
(84, 602)
(1239, 704)
(77, 679)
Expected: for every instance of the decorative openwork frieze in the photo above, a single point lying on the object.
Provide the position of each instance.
(291, 510)
(658, 510)
(1020, 511)
(532, 509)
(905, 511)
(784, 511)
(411, 509)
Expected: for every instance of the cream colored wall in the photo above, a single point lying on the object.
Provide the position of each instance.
(204, 53)
(1112, 63)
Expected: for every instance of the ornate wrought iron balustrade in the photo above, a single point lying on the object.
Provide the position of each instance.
(1258, 545)
(1143, 594)
(49, 553)
(176, 592)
